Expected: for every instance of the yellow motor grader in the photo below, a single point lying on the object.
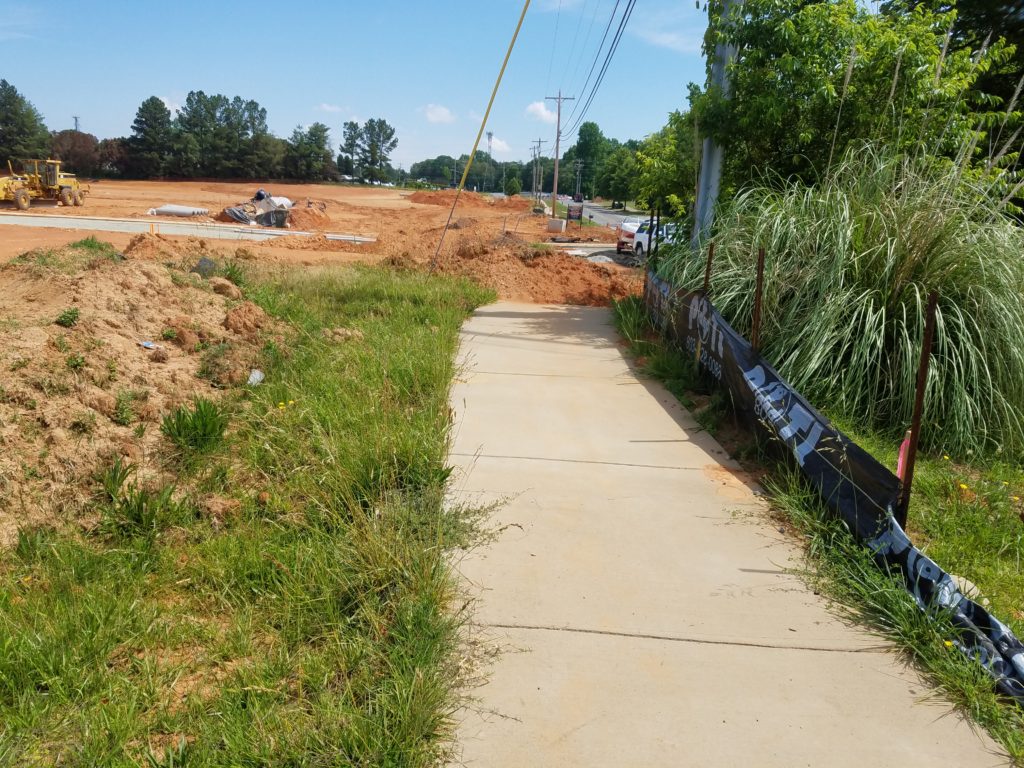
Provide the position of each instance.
(12, 190)
(44, 179)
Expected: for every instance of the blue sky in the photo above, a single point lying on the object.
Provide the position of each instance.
(427, 67)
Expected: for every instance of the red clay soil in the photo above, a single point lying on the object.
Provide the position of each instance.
(518, 272)
(445, 197)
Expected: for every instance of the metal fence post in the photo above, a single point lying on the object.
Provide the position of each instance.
(755, 332)
(915, 425)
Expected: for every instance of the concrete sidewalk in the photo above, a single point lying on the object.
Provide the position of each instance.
(639, 596)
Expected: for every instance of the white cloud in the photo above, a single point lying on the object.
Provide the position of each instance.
(501, 146)
(538, 110)
(171, 104)
(674, 41)
(435, 113)
(324, 107)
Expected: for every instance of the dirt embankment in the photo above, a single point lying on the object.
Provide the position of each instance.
(95, 348)
(489, 241)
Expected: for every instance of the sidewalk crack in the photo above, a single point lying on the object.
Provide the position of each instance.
(682, 639)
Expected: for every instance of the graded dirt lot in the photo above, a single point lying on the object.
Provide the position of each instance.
(103, 333)
(491, 241)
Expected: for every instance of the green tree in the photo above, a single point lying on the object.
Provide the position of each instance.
(79, 151)
(592, 148)
(811, 78)
(149, 146)
(667, 167)
(113, 157)
(617, 176)
(351, 141)
(513, 186)
(308, 155)
(22, 131)
(377, 143)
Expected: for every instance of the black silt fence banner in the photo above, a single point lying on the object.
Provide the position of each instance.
(862, 492)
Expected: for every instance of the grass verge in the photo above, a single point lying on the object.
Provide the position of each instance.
(966, 518)
(286, 601)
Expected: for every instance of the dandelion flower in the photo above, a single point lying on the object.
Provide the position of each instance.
(945, 457)
(963, 487)
(291, 402)
(949, 643)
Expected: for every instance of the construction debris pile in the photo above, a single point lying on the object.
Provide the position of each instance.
(263, 209)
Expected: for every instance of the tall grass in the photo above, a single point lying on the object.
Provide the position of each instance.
(850, 264)
(313, 620)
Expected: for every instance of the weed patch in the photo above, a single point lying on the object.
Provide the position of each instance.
(198, 429)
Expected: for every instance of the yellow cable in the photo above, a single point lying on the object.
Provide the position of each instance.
(483, 124)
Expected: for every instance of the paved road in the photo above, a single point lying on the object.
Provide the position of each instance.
(604, 215)
(162, 226)
(643, 604)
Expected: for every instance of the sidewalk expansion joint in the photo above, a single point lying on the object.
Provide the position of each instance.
(573, 461)
(618, 380)
(691, 640)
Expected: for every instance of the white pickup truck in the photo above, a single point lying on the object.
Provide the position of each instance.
(637, 236)
(625, 232)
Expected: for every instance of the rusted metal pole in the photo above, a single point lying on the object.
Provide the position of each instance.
(915, 425)
(755, 332)
(707, 269)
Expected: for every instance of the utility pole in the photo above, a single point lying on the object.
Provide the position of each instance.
(490, 157)
(75, 118)
(558, 137)
(538, 187)
(579, 173)
(712, 155)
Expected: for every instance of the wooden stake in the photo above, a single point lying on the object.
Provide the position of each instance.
(707, 269)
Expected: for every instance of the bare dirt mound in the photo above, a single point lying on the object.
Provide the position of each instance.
(521, 273)
(309, 215)
(469, 200)
(95, 348)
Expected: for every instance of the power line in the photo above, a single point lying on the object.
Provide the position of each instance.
(597, 55)
(554, 45)
(575, 37)
(586, 41)
(604, 67)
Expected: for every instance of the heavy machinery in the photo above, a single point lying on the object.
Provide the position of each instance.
(12, 190)
(44, 179)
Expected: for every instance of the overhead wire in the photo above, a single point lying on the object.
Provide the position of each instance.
(604, 67)
(576, 36)
(586, 40)
(554, 46)
(479, 134)
(597, 56)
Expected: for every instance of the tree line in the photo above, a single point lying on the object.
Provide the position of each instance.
(211, 136)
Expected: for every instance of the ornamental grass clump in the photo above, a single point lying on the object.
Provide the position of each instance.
(850, 263)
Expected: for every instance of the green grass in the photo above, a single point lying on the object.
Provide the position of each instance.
(70, 258)
(845, 572)
(196, 430)
(965, 517)
(849, 266)
(68, 317)
(316, 624)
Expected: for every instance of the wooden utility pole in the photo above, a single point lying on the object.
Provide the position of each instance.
(558, 137)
